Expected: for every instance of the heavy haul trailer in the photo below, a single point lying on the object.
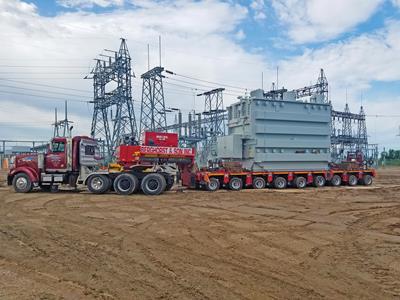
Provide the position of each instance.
(278, 142)
(216, 179)
(75, 161)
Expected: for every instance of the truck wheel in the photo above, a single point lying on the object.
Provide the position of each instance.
(22, 183)
(300, 182)
(258, 183)
(352, 180)
(280, 183)
(98, 184)
(213, 185)
(336, 180)
(126, 184)
(153, 184)
(319, 181)
(170, 182)
(367, 180)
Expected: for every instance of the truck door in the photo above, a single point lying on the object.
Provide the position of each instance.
(56, 158)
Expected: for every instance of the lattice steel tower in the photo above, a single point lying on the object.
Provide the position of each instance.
(152, 113)
(62, 128)
(214, 110)
(112, 129)
(362, 131)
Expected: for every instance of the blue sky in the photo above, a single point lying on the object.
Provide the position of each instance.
(49, 46)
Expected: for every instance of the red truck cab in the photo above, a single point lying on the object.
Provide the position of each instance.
(65, 162)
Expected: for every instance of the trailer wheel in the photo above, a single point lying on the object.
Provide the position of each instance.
(300, 182)
(213, 185)
(259, 183)
(367, 180)
(352, 180)
(336, 180)
(153, 184)
(22, 183)
(98, 184)
(126, 184)
(280, 183)
(235, 184)
(319, 181)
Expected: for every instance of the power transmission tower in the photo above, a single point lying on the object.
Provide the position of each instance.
(62, 128)
(111, 129)
(214, 124)
(362, 135)
(322, 86)
(153, 113)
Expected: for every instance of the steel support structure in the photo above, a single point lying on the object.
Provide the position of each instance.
(349, 135)
(113, 114)
(214, 125)
(62, 128)
(152, 112)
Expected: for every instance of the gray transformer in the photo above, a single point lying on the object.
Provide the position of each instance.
(273, 135)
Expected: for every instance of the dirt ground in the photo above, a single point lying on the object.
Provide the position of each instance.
(333, 243)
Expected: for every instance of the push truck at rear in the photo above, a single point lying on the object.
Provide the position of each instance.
(75, 161)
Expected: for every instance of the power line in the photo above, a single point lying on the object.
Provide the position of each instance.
(202, 80)
(42, 97)
(44, 85)
(43, 66)
(43, 91)
(199, 84)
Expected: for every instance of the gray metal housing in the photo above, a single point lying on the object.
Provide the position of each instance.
(277, 134)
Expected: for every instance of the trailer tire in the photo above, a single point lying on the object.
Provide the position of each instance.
(22, 183)
(336, 180)
(213, 185)
(352, 181)
(98, 184)
(153, 184)
(367, 179)
(319, 181)
(259, 183)
(280, 183)
(300, 182)
(126, 184)
(235, 184)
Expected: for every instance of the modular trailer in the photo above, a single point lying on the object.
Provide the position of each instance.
(216, 179)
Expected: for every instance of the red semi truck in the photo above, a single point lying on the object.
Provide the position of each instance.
(75, 161)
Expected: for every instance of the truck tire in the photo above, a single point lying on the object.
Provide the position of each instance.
(300, 182)
(153, 184)
(126, 184)
(336, 180)
(22, 183)
(352, 181)
(213, 185)
(367, 179)
(235, 184)
(319, 181)
(98, 184)
(258, 183)
(280, 183)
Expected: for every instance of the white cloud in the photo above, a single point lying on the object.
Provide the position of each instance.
(396, 3)
(258, 7)
(321, 20)
(90, 3)
(200, 39)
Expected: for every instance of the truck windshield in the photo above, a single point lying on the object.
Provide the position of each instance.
(57, 147)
